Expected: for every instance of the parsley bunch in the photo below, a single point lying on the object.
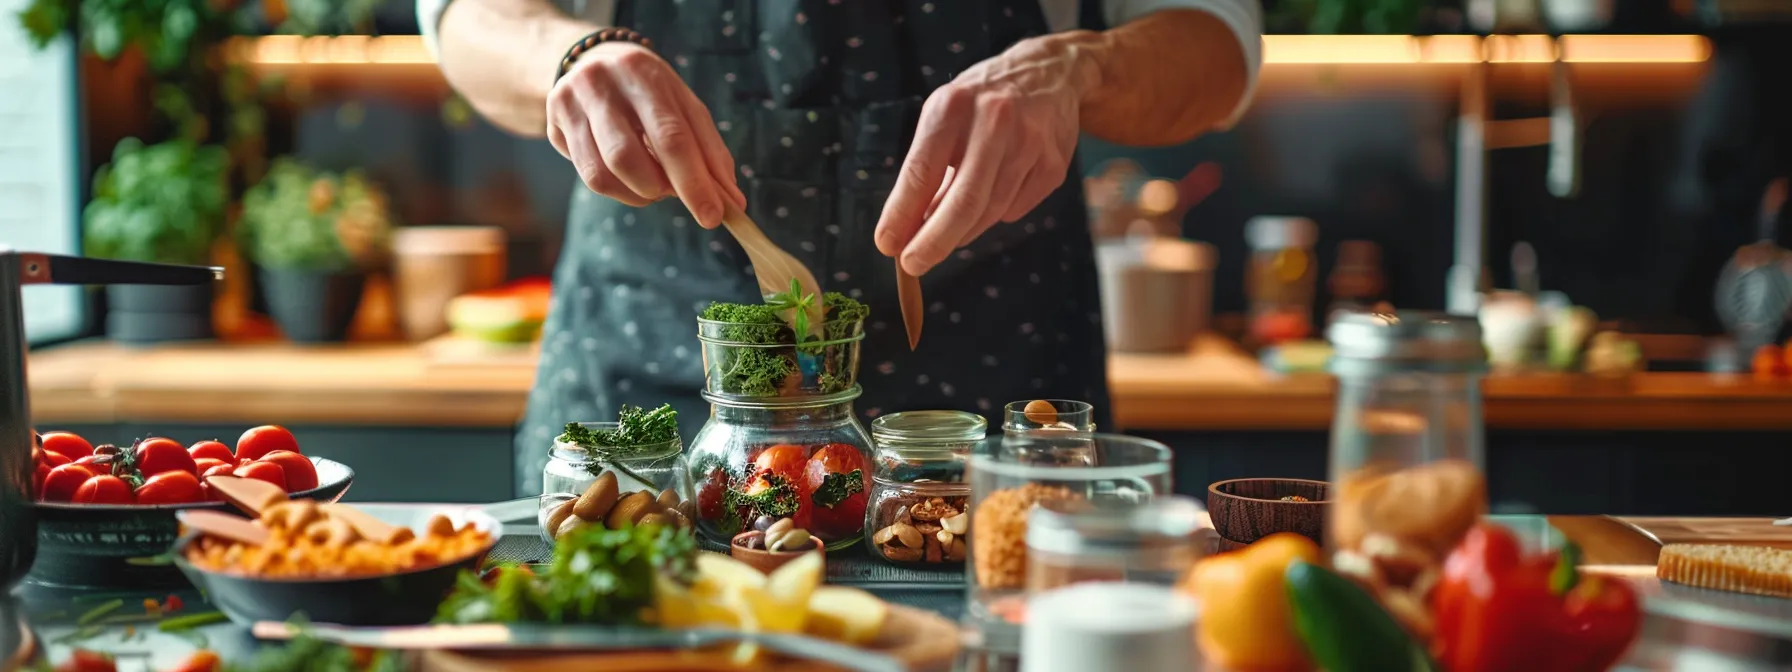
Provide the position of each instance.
(636, 431)
(598, 576)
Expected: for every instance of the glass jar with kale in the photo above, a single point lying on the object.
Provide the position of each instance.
(636, 457)
(753, 352)
(803, 458)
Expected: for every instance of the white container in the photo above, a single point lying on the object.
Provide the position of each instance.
(1135, 627)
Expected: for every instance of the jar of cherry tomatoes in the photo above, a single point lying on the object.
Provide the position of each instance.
(803, 458)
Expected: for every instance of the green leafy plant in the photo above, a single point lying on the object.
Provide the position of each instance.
(159, 203)
(301, 218)
(1340, 17)
(744, 370)
(638, 432)
(598, 576)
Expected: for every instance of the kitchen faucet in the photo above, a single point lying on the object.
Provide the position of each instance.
(18, 520)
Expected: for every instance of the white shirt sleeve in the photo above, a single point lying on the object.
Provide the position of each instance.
(1244, 17)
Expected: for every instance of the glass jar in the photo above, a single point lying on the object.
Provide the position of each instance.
(1406, 449)
(1281, 277)
(783, 457)
(1031, 468)
(919, 495)
(1147, 542)
(652, 468)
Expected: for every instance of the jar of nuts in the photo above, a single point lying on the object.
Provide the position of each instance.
(919, 497)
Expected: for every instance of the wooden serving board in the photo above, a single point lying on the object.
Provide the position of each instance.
(1685, 530)
(921, 640)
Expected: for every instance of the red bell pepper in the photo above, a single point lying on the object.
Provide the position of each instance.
(1498, 610)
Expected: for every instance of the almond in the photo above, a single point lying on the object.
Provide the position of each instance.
(656, 518)
(597, 500)
(629, 510)
(559, 513)
(668, 499)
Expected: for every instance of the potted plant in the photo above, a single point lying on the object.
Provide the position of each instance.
(161, 203)
(314, 234)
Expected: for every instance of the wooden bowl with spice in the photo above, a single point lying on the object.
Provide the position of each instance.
(1247, 509)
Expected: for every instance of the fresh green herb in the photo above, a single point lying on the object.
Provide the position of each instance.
(302, 218)
(779, 499)
(835, 488)
(762, 372)
(159, 203)
(598, 576)
(635, 428)
(306, 653)
(95, 614)
(190, 621)
(754, 372)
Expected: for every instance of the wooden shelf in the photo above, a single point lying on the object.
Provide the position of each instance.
(1210, 389)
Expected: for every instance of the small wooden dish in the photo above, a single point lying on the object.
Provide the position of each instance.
(769, 561)
(1247, 509)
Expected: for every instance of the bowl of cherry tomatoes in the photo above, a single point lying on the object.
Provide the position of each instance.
(106, 514)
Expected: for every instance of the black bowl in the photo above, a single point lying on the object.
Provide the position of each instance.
(115, 546)
(410, 598)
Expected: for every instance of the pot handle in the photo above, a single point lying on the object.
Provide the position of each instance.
(54, 269)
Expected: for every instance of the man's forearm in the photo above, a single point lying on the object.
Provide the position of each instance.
(1160, 80)
(501, 56)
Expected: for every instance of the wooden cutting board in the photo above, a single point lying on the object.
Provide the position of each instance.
(452, 351)
(1684, 530)
(924, 641)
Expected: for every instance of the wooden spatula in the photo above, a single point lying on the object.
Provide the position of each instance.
(248, 494)
(774, 267)
(223, 526)
(908, 287)
(369, 527)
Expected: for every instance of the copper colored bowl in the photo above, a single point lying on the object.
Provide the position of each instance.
(769, 561)
(1247, 509)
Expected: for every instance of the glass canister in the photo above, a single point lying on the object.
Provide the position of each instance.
(1281, 277)
(1406, 450)
(1009, 478)
(1145, 542)
(573, 468)
(803, 458)
(919, 496)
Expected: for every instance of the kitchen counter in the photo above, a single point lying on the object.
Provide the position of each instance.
(1211, 388)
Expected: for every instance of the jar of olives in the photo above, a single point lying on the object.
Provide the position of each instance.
(803, 458)
(919, 496)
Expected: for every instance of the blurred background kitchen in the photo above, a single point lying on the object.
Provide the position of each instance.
(1602, 181)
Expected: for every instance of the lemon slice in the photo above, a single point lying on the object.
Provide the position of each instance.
(846, 615)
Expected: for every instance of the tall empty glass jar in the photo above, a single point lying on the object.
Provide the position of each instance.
(1406, 449)
(1070, 469)
(803, 458)
(919, 496)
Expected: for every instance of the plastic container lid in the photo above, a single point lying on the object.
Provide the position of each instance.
(427, 240)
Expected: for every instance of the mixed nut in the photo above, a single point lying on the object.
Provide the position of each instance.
(778, 535)
(603, 503)
(929, 530)
(1394, 527)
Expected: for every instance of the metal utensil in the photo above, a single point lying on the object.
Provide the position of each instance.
(1754, 290)
(774, 267)
(578, 637)
(18, 520)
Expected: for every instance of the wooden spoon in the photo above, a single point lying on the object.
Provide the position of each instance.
(223, 526)
(248, 494)
(369, 527)
(774, 267)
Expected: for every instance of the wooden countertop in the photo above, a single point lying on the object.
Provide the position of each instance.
(1211, 388)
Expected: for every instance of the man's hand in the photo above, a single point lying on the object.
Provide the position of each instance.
(637, 134)
(1008, 128)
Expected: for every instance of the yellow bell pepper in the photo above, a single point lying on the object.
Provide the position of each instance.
(1246, 623)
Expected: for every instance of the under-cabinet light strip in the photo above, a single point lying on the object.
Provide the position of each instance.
(1278, 49)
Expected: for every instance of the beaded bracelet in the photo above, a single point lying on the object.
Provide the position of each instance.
(589, 41)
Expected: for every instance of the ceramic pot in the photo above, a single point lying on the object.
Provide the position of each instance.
(313, 306)
(141, 314)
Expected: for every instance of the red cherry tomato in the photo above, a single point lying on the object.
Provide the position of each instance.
(263, 471)
(785, 460)
(37, 455)
(211, 449)
(37, 480)
(838, 481)
(301, 474)
(171, 487)
(87, 661)
(155, 456)
(201, 661)
(67, 444)
(263, 440)
(58, 459)
(62, 482)
(103, 489)
(212, 495)
(204, 465)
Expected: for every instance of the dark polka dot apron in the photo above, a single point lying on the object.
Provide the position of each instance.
(818, 100)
